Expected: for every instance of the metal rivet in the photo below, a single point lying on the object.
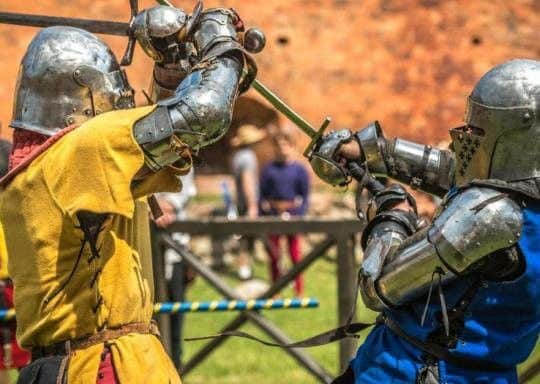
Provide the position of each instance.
(88, 112)
(69, 120)
(526, 116)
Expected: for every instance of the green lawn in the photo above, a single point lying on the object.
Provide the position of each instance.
(244, 361)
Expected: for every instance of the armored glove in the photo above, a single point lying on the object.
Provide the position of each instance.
(169, 35)
(325, 159)
(161, 31)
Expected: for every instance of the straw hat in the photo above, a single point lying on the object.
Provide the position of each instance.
(247, 134)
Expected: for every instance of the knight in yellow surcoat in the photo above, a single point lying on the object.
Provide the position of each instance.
(84, 165)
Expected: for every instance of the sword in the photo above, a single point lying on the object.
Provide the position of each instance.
(294, 117)
(40, 21)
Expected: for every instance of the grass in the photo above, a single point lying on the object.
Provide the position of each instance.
(243, 361)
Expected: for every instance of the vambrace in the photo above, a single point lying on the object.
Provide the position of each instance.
(380, 239)
(474, 228)
(421, 166)
(197, 115)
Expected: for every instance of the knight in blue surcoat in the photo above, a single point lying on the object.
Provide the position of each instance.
(459, 298)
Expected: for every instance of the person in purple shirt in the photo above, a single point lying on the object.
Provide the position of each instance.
(284, 190)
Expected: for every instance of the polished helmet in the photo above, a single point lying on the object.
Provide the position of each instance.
(501, 138)
(66, 77)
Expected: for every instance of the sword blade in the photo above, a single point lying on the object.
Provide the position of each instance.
(281, 106)
(40, 21)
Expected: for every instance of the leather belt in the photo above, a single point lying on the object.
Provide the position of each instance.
(65, 347)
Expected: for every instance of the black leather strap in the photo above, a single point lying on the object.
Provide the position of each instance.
(339, 333)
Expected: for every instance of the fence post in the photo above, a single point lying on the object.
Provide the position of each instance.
(160, 286)
(346, 272)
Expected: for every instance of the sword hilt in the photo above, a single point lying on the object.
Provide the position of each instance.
(316, 136)
(130, 49)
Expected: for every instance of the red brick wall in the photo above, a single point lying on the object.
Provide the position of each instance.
(408, 63)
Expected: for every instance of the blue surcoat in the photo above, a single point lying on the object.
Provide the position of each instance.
(501, 326)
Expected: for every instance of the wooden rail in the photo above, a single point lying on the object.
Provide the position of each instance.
(339, 233)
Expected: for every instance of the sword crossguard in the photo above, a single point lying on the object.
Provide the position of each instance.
(316, 136)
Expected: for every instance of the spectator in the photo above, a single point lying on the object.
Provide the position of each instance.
(284, 191)
(177, 272)
(245, 170)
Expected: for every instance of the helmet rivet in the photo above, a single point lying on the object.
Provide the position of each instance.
(69, 120)
(526, 117)
(77, 73)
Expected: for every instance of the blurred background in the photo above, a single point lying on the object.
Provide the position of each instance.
(408, 63)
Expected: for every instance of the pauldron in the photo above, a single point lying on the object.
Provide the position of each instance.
(477, 229)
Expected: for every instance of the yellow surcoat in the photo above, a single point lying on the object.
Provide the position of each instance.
(61, 291)
(3, 255)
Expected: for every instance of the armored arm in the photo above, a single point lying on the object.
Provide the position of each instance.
(200, 110)
(476, 233)
(421, 166)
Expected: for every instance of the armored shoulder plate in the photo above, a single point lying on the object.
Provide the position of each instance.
(473, 226)
(475, 223)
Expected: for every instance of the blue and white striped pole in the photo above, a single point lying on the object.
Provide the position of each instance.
(234, 305)
(213, 306)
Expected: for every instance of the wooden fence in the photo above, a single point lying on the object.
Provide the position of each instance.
(337, 233)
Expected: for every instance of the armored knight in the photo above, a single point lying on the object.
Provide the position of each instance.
(459, 298)
(83, 164)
